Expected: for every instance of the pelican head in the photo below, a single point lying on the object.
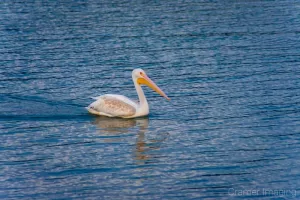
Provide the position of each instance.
(140, 77)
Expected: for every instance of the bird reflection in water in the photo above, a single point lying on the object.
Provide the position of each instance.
(114, 128)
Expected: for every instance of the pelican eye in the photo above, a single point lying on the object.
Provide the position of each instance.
(141, 73)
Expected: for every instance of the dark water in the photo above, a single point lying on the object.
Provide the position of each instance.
(231, 130)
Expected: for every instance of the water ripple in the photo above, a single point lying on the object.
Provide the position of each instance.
(230, 68)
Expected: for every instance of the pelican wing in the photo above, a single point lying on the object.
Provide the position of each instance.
(113, 106)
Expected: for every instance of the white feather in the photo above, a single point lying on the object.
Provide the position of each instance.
(113, 105)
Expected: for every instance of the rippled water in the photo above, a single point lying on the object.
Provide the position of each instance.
(231, 69)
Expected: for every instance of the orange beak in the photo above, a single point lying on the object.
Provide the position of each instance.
(147, 81)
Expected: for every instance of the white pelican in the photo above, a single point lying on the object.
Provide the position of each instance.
(113, 105)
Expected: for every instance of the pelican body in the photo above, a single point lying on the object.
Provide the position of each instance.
(113, 105)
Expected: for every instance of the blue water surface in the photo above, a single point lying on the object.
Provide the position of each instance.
(230, 131)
